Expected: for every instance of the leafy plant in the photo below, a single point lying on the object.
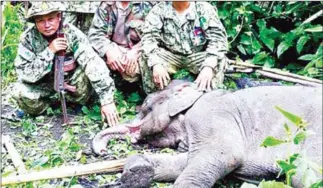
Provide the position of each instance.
(295, 162)
(11, 29)
(275, 34)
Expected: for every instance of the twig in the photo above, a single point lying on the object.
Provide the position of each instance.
(15, 157)
(284, 73)
(66, 171)
(286, 78)
(72, 123)
(241, 26)
(313, 17)
(237, 64)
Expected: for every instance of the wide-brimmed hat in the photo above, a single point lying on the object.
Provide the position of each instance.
(43, 8)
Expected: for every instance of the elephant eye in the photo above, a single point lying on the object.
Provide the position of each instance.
(149, 109)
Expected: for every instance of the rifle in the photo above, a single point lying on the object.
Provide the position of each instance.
(59, 73)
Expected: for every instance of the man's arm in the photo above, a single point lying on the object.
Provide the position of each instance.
(152, 34)
(31, 67)
(94, 67)
(98, 30)
(217, 44)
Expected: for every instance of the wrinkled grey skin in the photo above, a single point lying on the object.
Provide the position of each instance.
(220, 133)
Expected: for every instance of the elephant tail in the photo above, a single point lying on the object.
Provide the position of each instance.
(100, 141)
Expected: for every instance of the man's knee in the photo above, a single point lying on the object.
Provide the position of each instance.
(29, 101)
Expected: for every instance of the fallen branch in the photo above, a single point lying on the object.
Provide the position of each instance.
(284, 73)
(288, 79)
(66, 171)
(273, 73)
(14, 155)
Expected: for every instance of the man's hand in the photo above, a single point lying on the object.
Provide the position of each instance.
(109, 112)
(161, 76)
(58, 44)
(131, 60)
(114, 60)
(204, 79)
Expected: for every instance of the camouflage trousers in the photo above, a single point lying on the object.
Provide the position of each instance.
(81, 20)
(36, 98)
(174, 62)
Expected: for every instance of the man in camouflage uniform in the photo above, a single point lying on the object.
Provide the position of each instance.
(83, 68)
(180, 35)
(115, 34)
(80, 13)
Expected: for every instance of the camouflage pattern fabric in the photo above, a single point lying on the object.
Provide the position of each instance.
(201, 32)
(174, 62)
(81, 13)
(44, 7)
(104, 22)
(34, 66)
(36, 98)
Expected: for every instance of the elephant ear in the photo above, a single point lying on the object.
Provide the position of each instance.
(182, 99)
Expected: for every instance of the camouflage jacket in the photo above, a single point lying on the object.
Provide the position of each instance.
(201, 31)
(105, 19)
(82, 6)
(34, 62)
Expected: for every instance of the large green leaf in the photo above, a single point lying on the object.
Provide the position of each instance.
(293, 158)
(269, 62)
(292, 117)
(301, 42)
(299, 137)
(241, 49)
(258, 59)
(317, 185)
(271, 141)
(286, 167)
(282, 47)
(269, 42)
(307, 57)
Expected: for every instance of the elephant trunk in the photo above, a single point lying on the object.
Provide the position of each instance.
(101, 140)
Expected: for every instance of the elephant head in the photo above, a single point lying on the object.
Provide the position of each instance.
(160, 114)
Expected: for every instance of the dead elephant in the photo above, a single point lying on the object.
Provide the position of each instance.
(219, 132)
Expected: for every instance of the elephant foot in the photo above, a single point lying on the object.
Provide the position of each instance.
(138, 173)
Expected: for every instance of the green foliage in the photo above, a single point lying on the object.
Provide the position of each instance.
(11, 29)
(271, 141)
(295, 162)
(275, 34)
(296, 120)
(266, 184)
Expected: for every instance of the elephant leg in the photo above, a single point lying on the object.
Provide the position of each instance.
(140, 170)
(206, 167)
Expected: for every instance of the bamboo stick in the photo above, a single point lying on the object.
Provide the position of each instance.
(287, 78)
(66, 171)
(284, 73)
(277, 71)
(15, 156)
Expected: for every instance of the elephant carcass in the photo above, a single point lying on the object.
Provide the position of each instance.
(222, 133)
